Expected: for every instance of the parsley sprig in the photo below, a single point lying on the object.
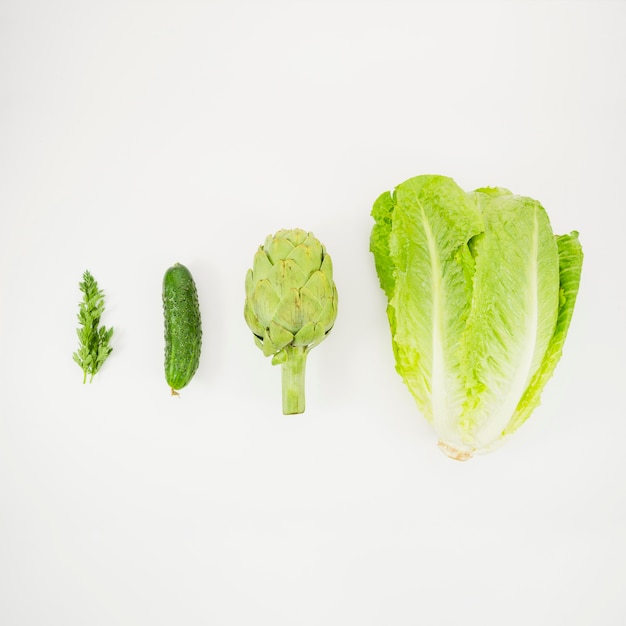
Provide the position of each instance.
(93, 338)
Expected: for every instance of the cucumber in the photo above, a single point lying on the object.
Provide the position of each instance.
(183, 329)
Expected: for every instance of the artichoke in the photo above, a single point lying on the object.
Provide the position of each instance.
(291, 305)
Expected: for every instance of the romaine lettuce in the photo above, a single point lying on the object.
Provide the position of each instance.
(480, 298)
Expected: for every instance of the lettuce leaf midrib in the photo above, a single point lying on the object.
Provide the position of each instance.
(420, 240)
(570, 267)
(494, 387)
(439, 404)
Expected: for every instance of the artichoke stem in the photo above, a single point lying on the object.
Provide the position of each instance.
(292, 375)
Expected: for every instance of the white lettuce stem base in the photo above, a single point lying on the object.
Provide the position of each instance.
(453, 452)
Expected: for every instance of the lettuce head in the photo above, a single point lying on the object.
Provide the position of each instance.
(480, 297)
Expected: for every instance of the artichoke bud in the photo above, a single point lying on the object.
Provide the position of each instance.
(291, 298)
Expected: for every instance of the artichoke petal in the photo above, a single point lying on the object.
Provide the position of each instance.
(261, 265)
(296, 235)
(279, 337)
(319, 286)
(286, 275)
(264, 301)
(308, 255)
(327, 268)
(328, 313)
(266, 345)
(289, 312)
(251, 319)
(311, 306)
(278, 247)
(309, 335)
(315, 244)
(280, 357)
(259, 343)
(249, 283)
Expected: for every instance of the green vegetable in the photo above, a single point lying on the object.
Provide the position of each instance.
(93, 339)
(480, 298)
(183, 329)
(291, 305)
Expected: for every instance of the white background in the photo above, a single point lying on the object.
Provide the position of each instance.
(137, 134)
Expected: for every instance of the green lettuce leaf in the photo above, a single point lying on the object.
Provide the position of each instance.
(570, 268)
(476, 304)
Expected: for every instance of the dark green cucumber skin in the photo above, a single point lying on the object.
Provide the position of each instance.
(183, 328)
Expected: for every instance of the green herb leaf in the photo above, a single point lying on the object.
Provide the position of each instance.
(93, 339)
